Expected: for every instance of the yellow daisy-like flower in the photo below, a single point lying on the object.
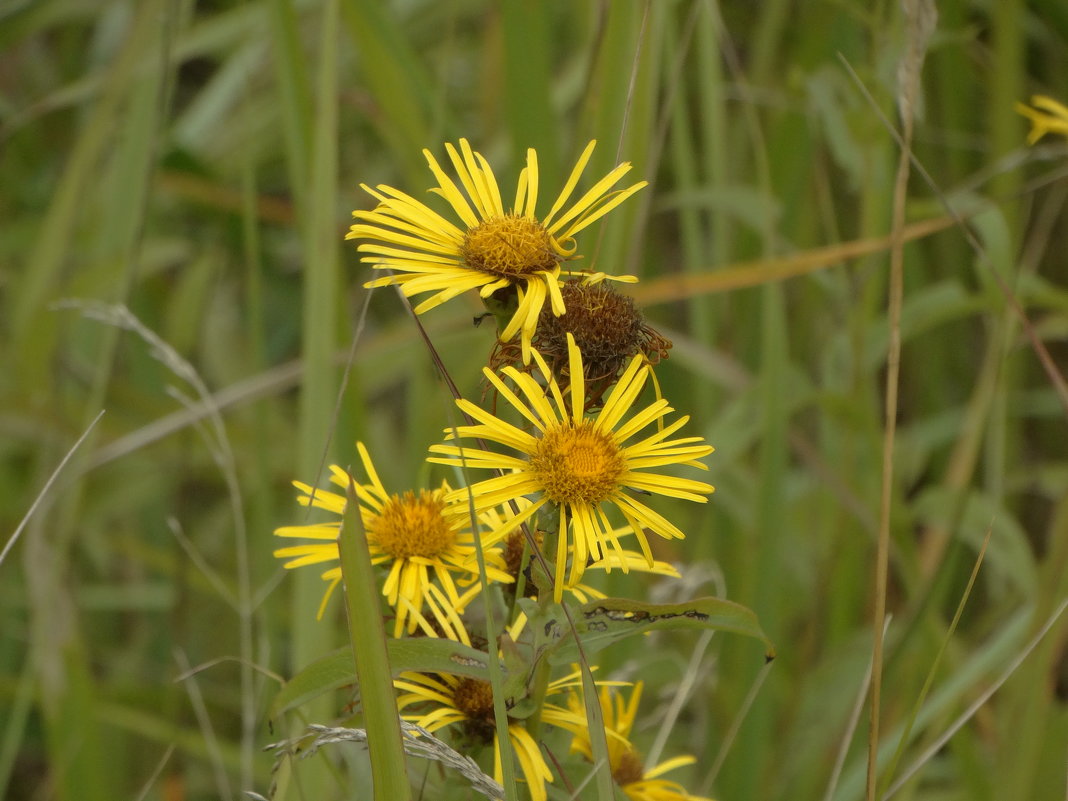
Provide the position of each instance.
(628, 770)
(1047, 116)
(468, 703)
(421, 536)
(580, 464)
(492, 249)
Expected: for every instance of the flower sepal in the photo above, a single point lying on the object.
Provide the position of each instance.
(502, 304)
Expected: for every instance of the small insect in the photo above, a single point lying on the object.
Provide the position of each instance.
(478, 318)
(466, 660)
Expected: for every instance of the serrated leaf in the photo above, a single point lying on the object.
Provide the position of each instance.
(335, 670)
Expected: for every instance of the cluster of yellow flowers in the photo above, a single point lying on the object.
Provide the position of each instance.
(572, 358)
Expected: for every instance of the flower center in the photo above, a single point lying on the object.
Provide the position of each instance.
(411, 525)
(577, 464)
(511, 246)
(629, 769)
(474, 698)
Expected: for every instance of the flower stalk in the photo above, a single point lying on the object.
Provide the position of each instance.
(548, 526)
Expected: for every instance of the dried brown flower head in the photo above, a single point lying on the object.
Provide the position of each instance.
(608, 329)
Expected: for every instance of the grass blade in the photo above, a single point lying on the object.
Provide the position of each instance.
(367, 638)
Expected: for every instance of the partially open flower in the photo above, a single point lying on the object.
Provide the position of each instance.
(438, 700)
(628, 768)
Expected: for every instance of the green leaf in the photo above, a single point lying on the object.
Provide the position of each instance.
(604, 622)
(370, 655)
(335, 670)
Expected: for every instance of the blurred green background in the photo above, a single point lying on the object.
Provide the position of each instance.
(175, 182)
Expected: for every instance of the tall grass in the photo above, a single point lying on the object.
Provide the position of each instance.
(196, 163)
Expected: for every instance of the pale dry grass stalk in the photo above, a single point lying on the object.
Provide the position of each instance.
(920, 16)
(418, 742)
(218, 443)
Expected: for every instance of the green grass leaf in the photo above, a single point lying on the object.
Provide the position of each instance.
(334, 671)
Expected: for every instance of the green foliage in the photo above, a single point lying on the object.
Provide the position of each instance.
(196, 162)
(607, 621)
(334, 670)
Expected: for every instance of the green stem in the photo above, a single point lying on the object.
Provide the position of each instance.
(496, 677)
(548, 525)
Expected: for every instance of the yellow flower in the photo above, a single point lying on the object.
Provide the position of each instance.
(579, 464)
(1047, 116)
(628, 771)
(421, 537)
(448, 699)
(491, 250)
